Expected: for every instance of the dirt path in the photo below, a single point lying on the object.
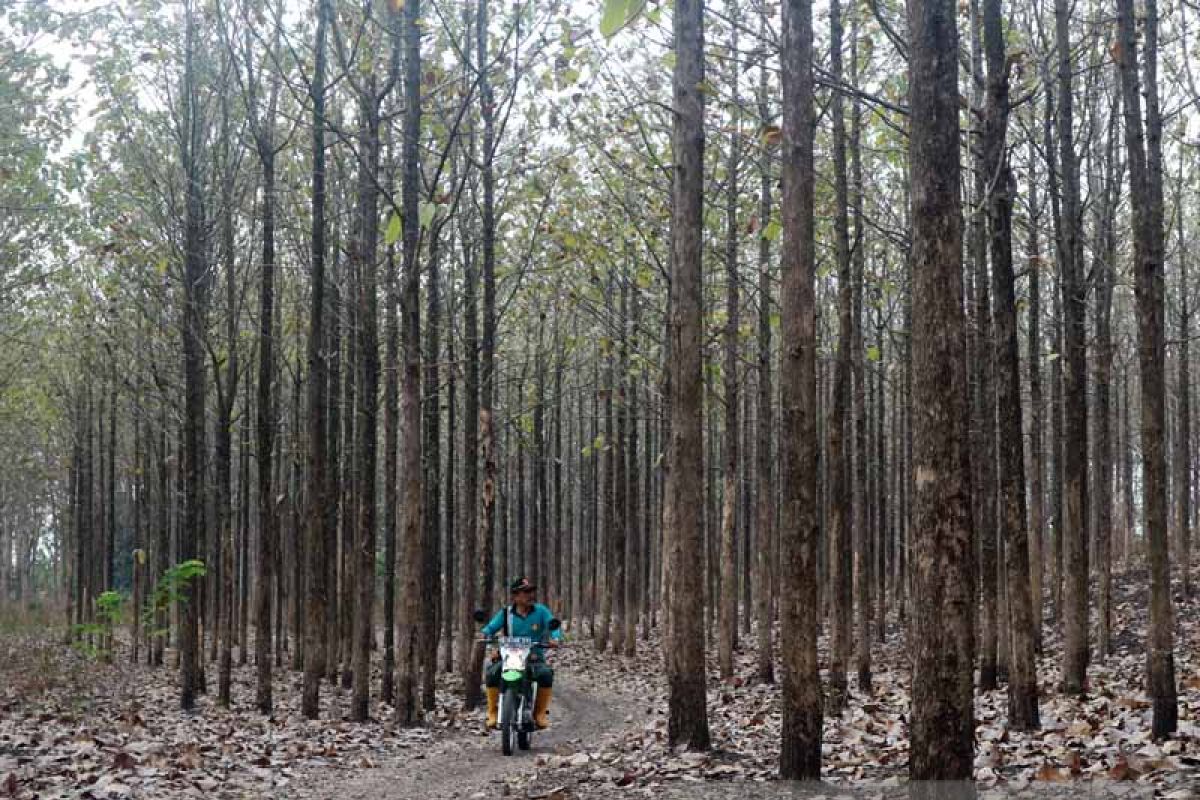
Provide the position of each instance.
(461, 767)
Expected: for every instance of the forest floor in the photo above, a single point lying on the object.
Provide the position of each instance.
(71, 727)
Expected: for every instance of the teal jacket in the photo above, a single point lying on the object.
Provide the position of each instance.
(535, 625)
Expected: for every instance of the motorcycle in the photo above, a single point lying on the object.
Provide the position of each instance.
(517, 687)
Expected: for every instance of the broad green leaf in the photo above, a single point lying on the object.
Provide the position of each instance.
(394, 228)
(873, 353)
(614, 17)
(772, 231)
(426, 213)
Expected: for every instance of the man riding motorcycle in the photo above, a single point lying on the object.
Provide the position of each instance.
(523, 618)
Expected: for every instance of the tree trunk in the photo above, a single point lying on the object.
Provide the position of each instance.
(800, 748)
(1075, 487)
(474, 591)
(267, 521)
(432, 574)
(1037, 509)
(195, 303)
(487, 355)
(224, 427)
(687, 721)
(1145, 180)
(1023, 689)
(841, 510)
(983, 448)
(1105, 272)
(408, 634)
(942, 720)
(633, 528)
(391, 420)
(763, 451)
(730, 375)
(318, 378)
(1183, 454)
(862, 540)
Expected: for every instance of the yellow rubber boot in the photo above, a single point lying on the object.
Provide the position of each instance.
(493, 698)
(541, 707)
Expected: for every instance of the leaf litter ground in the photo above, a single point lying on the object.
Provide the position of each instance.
(71, 727)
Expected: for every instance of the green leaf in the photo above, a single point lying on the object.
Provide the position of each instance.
(614, 17)
(772, 231)
(873, 353)
(395, 226)
(426, 213)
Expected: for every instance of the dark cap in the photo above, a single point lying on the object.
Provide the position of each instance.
(521, 585)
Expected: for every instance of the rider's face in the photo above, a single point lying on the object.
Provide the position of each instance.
(523, 598)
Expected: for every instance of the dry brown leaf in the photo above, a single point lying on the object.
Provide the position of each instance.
(1123, 771)
(1051, 774)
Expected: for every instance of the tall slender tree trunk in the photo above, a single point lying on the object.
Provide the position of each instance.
(318, 378)
(763, 451)
(268, 521)
(983, 450)
(841, 510)
(1183, 454)
(1105, 279)
(863, 540)
(687, 721)
(413, 543)
(474, 591)
(731, 375)
(432, 453)
(1037, 509)
(1145, 180)
(942, 721)
(633, 528)
(338, 510)
(391, 420)
(487, 354)
(1075, 485)
(195, 301)
(800, 748)
(224, 428)
(617, 461)
(1023, 688)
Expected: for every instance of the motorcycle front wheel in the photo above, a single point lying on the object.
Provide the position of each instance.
(508, 720)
